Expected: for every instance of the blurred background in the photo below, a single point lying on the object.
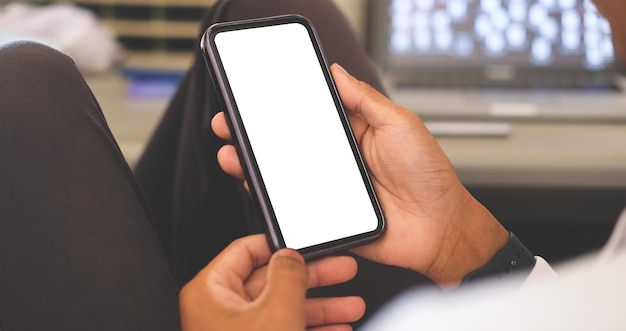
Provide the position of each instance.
(525, 96)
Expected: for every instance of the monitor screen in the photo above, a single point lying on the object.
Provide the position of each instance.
(453, 34)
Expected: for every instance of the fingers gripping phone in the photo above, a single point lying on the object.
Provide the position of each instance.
(302, 163)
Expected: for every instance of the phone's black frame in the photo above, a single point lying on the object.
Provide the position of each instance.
(246, 156)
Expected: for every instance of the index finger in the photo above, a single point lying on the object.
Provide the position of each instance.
(360, 98)
(220, 127)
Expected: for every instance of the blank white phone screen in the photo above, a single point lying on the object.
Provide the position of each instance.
(295, 132)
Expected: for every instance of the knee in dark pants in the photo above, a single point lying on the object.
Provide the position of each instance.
(31, 70)
(36, 78)
(29, 58)
(44, 99)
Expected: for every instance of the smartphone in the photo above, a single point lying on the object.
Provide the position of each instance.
(302, 163)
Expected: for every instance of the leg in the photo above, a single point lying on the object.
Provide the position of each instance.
(77, 251)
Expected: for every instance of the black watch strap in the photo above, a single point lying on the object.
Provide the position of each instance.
(512, 259)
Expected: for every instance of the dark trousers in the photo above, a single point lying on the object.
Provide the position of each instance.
(88, 244)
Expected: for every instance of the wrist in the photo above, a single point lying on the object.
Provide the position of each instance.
(475, 237)
(511, 260)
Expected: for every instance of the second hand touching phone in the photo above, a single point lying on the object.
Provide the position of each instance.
(302, 163)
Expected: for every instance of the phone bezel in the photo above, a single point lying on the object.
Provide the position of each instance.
(251, 170)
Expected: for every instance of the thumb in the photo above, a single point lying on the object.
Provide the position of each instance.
(360, 98)
(287, 281)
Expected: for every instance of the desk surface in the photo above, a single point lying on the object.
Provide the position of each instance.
(535, 154)
(543, 154)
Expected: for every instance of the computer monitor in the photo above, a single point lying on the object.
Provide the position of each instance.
(498, 40)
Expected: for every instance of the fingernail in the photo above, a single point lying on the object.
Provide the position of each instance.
(290, 253)
(342, 70)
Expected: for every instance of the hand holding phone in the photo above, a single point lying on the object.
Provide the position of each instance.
(438, 229)
(305, 172)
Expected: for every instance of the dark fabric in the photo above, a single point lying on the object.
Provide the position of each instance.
(77, 251)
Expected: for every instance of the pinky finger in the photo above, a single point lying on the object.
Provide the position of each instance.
(333, 312)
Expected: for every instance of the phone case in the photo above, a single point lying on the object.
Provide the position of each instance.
(257, 188)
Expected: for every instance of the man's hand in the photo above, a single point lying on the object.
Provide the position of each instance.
(236, 291)
(434, 225)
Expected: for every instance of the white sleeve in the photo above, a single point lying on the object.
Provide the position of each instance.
(588, 295)
(541, 272)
